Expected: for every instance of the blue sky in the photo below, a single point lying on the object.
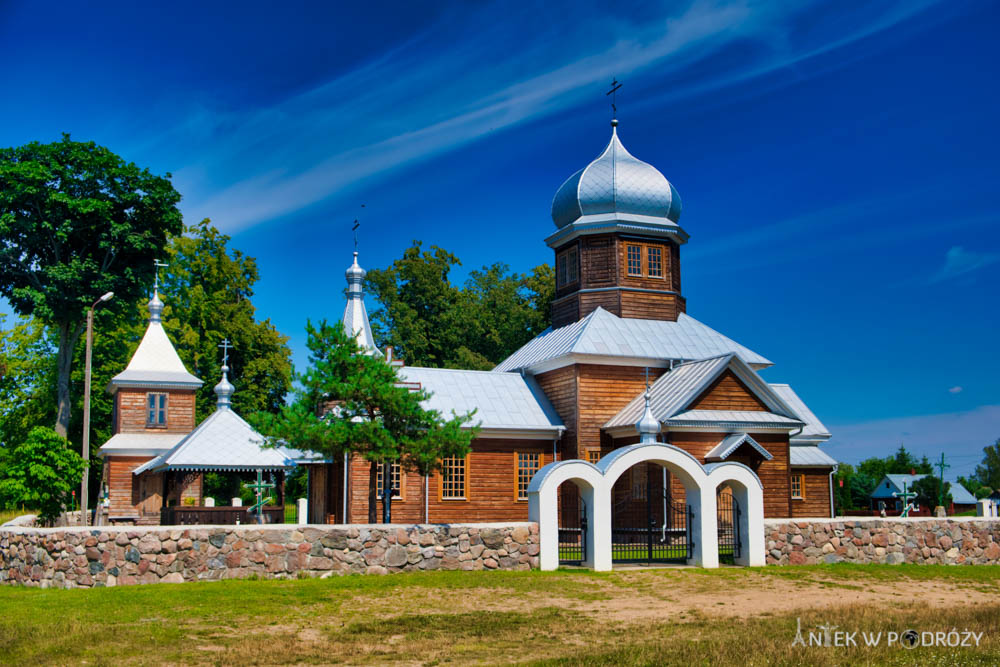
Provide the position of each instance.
(837, 161)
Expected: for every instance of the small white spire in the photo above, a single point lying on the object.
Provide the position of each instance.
(648, 426)
(224, 390)
(355, 318)
(155, 307)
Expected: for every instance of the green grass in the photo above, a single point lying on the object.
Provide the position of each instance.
(7, 515)
(656, 616)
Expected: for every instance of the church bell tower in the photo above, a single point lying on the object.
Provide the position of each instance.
(618, 240)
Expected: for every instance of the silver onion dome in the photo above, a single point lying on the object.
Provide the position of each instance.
(648, 426)
(224, 391)
(616, 182)
(155, 307)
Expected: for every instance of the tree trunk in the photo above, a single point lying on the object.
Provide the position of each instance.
(69, 334)
(372, 502)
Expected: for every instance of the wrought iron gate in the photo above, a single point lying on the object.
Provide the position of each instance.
(646, 525)
(730, 544)
(573, 532)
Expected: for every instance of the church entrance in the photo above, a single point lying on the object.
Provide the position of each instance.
(647, 525)
(730, 544)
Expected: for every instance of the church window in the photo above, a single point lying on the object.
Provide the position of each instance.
(567, 267)
(396, 475)
(527, 465)
(156, 409)
(454, 471)
(634, 260)
(798, 486)
(654, 261)
(593, 456)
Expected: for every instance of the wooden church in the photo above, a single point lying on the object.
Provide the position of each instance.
(620, 337)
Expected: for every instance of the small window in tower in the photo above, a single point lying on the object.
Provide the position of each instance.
(567, 270)
(156, 409)
(654, 261)
(561, 277)
(634, 260)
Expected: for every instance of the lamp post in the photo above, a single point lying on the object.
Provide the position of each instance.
(84, 483)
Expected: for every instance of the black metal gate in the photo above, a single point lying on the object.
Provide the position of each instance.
(646, 525)
(573, 531)
(730, 544)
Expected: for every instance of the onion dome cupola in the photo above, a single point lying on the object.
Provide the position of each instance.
(616, 188)
(355, 318)
(224, 391)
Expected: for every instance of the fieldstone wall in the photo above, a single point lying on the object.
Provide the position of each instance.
(953, 541)
(122, 556)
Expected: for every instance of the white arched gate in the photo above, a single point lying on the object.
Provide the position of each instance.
(596, 482)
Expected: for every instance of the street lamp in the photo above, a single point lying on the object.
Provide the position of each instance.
(84, 483)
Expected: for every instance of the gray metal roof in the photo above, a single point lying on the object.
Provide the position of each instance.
(355, 320)
(731, 443)
(675, 390)
(616, 182)
(140, 444)
(155, 362)
(733, 419)
(814, 430)
(602, 334)
(809, 456)
(224, 441)
(502, 400)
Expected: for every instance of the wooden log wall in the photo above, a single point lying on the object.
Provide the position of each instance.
(728, 393)
(131, 411)
(816, 503)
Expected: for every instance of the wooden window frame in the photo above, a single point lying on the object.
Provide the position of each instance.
(649, 261)
(465, 481)
(801, 477)
(593, 456)
(568, 267)
(517, 474)
(165, 409)
(397, 470)
(643, 258)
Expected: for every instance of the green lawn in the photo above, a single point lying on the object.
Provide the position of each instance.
(647, 617)
(7, 515)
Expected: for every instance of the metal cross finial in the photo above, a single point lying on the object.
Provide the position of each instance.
(615, 85)
(157, 265)
(226, 346)
(355, 230)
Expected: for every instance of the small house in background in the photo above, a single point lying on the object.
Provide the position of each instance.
(886, 496)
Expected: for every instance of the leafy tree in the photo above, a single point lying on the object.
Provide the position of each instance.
(77, 221)
(27, 377)
(852, 488)
(434, 323)
(42, 472)
(371, 415)
(928, 490)
(988, 472)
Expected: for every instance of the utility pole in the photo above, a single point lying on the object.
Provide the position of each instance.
(941, 465)
(85, 481)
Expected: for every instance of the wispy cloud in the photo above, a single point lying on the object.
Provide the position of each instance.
(960, 262)
(260, 164)
(955, 390)
(960, 435)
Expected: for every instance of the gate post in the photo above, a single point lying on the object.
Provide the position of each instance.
(705, 527)
(599, 533)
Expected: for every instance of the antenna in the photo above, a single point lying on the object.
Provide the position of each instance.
(226, 346)
(615, 85)
(157, 265)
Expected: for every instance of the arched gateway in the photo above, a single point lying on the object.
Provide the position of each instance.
(701, 485)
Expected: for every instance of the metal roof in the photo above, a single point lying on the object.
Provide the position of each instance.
(731, 443)
(733, 419)
(616, 182)
(675, 390)
(355, 320)
(502, 400)
(137, 444)
(602, 334)
(814, 430)
(155, 361)
(224, 441)
(809, 456)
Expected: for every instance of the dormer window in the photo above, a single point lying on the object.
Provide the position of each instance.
(156, 410)
(567, 267)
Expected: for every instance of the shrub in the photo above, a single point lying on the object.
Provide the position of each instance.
(42, 472)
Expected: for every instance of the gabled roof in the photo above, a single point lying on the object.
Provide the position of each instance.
(813, 431)
(674, 391)
(155, 362)
(602, 334)
(809, 456)
(224, 441)
(731, 443)
(503, 401)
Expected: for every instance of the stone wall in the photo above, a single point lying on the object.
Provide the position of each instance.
(119, 556)
(953, 541)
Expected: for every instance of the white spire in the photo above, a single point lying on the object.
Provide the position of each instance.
(648, 426)
(355, 318)
(155, 307)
